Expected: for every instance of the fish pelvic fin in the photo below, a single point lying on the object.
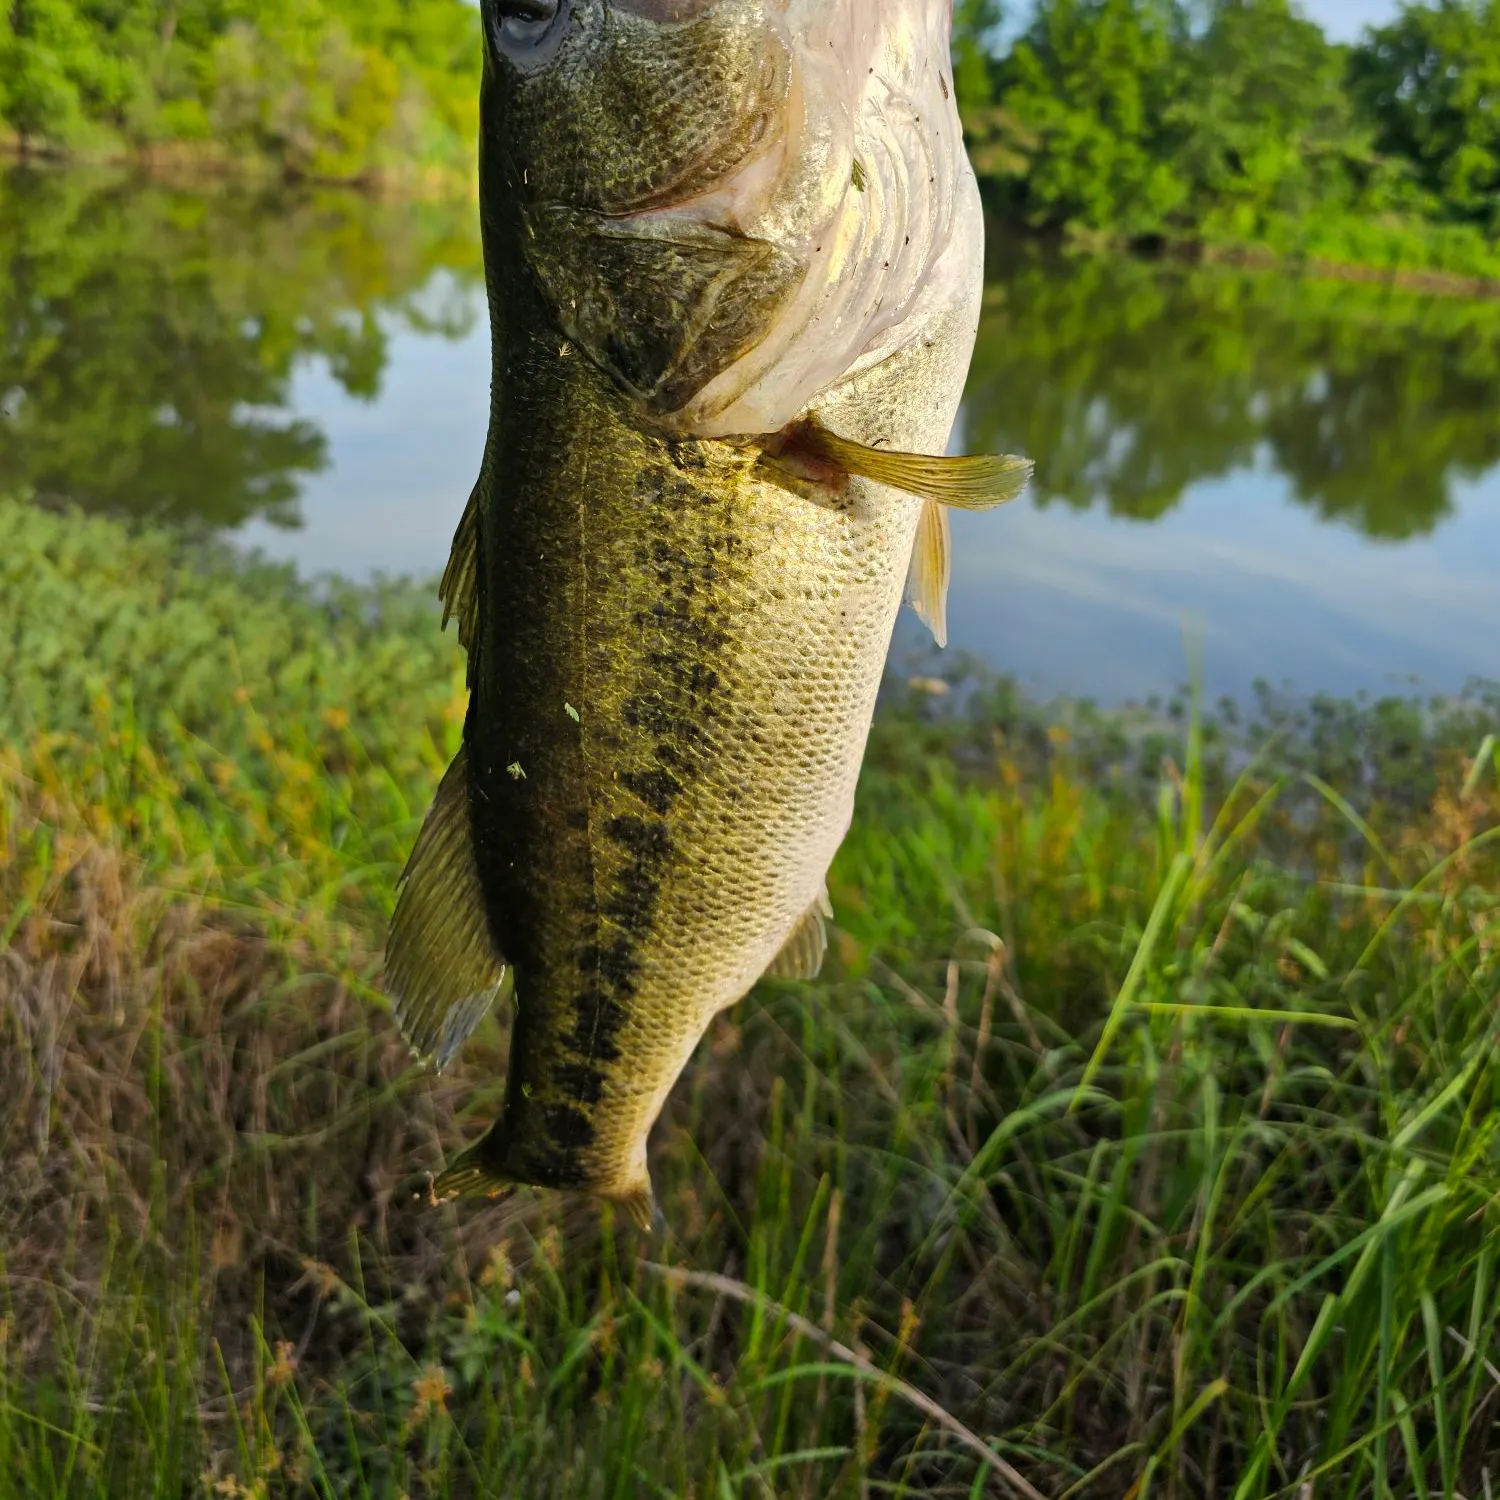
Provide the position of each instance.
(441, 967)
(459, 590)
(972, 482)
(931, 565)
(802, 954)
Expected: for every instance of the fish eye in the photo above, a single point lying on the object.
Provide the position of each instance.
(518, 27)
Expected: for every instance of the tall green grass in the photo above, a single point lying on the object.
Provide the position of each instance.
(1140, 1138)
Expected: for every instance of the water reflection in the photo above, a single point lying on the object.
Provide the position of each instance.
(149, 336)
(1130, 383)
(257, 362)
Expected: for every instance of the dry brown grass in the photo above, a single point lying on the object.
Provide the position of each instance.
(173, 1074)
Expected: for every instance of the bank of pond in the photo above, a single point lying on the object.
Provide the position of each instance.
(1139, 1133)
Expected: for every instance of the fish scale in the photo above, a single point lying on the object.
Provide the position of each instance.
(675, 637)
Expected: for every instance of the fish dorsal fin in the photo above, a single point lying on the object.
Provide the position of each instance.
(459, 589)
(802, 954)
(973, 482)
(931, 563)
(441, 967)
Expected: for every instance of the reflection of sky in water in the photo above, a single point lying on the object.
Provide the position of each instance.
(1068, 601)
(1087, 603)
(1341, 20)
(400, 468)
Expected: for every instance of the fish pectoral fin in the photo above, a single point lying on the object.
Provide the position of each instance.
(971, 482)
(459, 590)
(931, 563)
(441, 967)
(802, 954)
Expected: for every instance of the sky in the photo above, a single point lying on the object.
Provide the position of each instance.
(1342, 20)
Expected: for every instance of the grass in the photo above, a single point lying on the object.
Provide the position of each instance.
(1140, 1139)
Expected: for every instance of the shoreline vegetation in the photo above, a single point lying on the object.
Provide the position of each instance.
(369, 92)
(1140, 1137)
(1230, 129)
(1251, 258)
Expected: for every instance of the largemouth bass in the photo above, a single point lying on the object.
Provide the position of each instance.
(734, 258)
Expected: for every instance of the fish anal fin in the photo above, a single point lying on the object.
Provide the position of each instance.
(972, 482)
(459, 589)
(441, 967)
(802, 954)
(931, 564)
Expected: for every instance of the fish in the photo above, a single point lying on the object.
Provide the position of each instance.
(734, 262)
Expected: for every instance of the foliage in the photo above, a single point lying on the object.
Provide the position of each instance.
(1141, 1134)
(974, 23)
(1263, 124)
(322, 88)
(1213, 122)
(1430, 81)
(1094, 79)
(1236, 122)
(148, 336)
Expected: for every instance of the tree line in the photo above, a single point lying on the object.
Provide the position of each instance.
(319, 88)
(1238, 123)
(1217, 122)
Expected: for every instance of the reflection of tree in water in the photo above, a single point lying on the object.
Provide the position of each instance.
(1128, 382)
(148, 336)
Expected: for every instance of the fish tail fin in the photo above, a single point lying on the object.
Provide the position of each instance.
(469, 1177)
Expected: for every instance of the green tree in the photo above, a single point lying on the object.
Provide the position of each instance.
(1263, 123)
(326, 88)
(1093, 84)
(54, 71)
(1431, 83)
(974, 26)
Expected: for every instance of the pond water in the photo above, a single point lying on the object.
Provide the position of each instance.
(1299, 477)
